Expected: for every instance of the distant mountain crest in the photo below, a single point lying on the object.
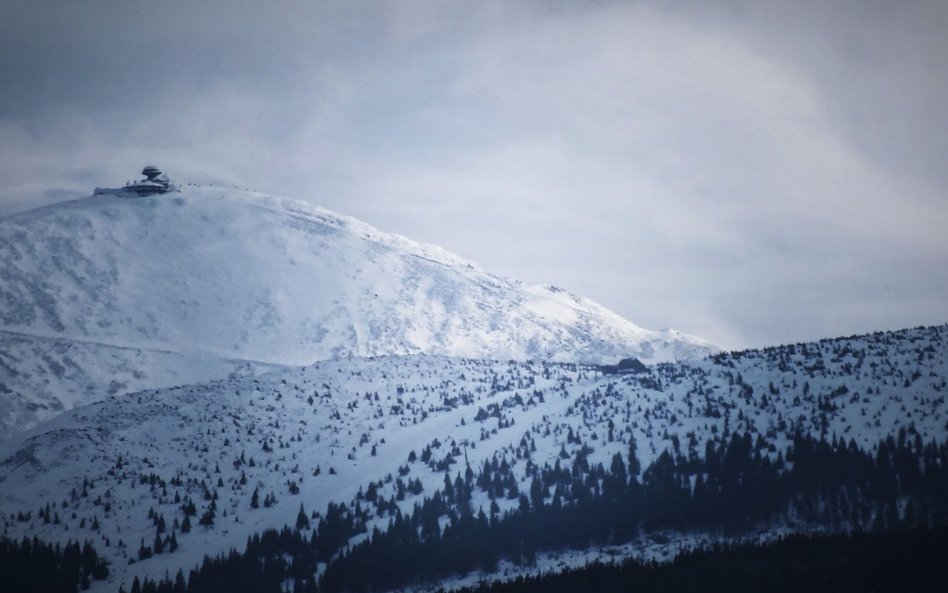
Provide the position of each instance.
(219, 274)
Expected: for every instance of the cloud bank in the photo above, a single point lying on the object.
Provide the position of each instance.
(753, 173)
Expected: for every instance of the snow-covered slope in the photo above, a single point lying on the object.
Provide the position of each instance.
(227, 277)
(324, 433)
(42, 377)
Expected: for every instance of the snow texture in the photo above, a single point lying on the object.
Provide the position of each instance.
(332, 429)
(109, 294)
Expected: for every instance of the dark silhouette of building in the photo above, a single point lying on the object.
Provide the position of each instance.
(155, 182)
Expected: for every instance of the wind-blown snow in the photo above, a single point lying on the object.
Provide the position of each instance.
(208, 279)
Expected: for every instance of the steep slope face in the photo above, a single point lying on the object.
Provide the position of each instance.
(237, 276)
(346, 431)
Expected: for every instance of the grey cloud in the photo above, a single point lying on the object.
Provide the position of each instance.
(749, 172)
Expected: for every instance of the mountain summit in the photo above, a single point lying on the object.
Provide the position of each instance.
(119, 292)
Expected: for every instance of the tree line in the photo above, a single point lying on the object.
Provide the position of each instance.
(905, 560)
(737, 486)
(33, 565)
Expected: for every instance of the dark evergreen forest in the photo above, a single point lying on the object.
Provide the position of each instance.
(32, 565)
(909, 560)
(737, 486)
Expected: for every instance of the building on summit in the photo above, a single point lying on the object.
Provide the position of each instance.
(155, 182)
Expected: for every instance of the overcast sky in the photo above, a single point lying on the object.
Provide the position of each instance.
(753, 173)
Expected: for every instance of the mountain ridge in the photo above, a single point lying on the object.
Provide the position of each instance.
(232, 275)
(340, 429)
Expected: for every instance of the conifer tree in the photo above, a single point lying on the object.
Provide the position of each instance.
(302, 521)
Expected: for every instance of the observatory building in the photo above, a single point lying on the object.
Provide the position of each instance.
(155, 182)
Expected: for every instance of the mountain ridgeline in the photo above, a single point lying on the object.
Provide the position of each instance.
(378, 473)
(125, 291)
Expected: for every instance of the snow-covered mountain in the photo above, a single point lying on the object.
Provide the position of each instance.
(362, 432)
(110, 294)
